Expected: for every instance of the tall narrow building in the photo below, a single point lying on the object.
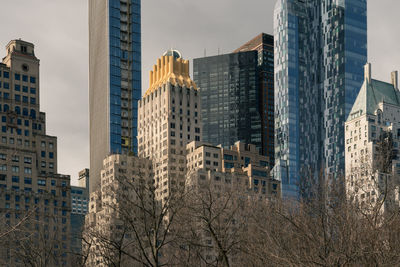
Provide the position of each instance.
(114, 79)
(35, 199)
(264, 45)
(320, 51)
(169, 118)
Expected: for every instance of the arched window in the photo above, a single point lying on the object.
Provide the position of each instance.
(33, 114)
(25, 112)
(6, 108)
(18, 110)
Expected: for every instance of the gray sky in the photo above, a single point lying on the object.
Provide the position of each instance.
(59, 29)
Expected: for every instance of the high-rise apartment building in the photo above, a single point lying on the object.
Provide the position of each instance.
(320, 51)
(264, 45)
(229, 87)
(79, 208)
(169, 118)
(372, 133)
(114, 79)
(30, 187)
(120, 176)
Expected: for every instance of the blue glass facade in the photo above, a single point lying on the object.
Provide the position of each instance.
(114, 79)
(125, 56)
(320, 51)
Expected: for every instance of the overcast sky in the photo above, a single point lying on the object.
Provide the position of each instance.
(59, 29)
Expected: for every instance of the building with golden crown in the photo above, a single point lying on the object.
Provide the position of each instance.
(169, 119)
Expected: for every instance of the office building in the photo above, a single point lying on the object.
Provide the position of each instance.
(372, 176)
(79, 208)
(169, 118)
(229, 87)
(320, 50)
(264, 45)
(114, 79)
(30, 187)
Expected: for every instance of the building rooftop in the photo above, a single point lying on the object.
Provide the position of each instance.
(371, 94)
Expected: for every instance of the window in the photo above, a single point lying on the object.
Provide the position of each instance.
(33, 79)
(6, 74)
(41, 182)
(24, 78)
(28, 170)
(17, 77)
(25, 99)
(28, 160)
(25, 89)
(3, 156)
(51, 155)
(27, 180)
(17, 87)
(33, 90)
(15, 169)
(228, 165)
(15, 179)
(43, 154)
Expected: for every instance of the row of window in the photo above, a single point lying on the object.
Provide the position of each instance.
(15, 169)
(17, 87)
(18, 77)
(24, 77)
(11, 141)
(17, 98)
(29, 189)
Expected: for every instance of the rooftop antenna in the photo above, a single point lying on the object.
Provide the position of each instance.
(205, 52)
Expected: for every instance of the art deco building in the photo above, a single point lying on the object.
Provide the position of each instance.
(320, 50)
(169, 118)
(372, 136)
(114, 79)
(34, 197)
(264, 45)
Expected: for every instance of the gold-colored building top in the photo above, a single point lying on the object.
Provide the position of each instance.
(170, 68)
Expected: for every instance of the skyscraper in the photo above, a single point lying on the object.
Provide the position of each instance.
(114, 79)
(264, 45)
(35, 199)
(229, 98)
(320, 51)
(169, 118)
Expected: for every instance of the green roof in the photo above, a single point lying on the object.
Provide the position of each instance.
(373, 93)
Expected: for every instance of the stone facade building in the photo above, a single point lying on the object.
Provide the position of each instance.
(103, 222)
(242, 164)
(169, 118)
(372, 132)
(30, 187)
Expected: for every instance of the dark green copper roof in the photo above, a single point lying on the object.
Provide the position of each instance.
(371, 94)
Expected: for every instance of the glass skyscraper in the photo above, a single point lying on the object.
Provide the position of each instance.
(320, 51)
(264, 45)
(229, 98)
(114, 79)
